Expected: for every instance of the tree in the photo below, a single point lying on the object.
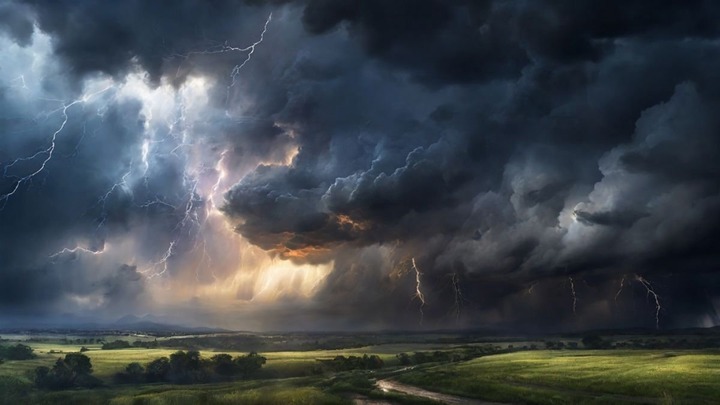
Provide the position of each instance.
(118, 344)
(72, 371)
(134, 373)
(373, 362)
(250, 364)
(223, 364)
(184, 361)
(593, 342)
(157, 370)
(185, 367)
(78, 363)
(17, 352)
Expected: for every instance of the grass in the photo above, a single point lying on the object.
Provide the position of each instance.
(108, 362)
(290, 391)
(536, 377)
(16, 385)
(571, 377)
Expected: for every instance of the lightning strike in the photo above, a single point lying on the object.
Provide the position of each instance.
(21, 82)
(574, 295)
(76, 249)
(418, 290)
(651, 291)
(121, 184)
(531, 288)
(157, 201)
(250, 50)
(455, 279)
(225, 48)
(47, 152)
(162, 263)
(622, 285)
(212, 208)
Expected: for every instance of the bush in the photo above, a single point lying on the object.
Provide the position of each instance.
(342, 363)
(134, 374)
(593, 342)
(118, 344)
(17, 352)
(72, 371)
(157, 370)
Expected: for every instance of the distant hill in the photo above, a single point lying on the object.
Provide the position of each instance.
(128, 323)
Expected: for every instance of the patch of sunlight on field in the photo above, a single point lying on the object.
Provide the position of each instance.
(106, 363)
(586, 376)
(290, 396)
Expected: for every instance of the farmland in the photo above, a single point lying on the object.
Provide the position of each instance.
(510, 371)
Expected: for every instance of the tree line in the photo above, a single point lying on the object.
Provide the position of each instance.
(182, 367)
(188, 367)
(16, 352)
(342, 363)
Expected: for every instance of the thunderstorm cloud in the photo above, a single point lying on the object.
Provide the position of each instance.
(313, 164)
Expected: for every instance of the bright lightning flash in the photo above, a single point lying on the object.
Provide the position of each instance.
(418, 289)
(651, 291)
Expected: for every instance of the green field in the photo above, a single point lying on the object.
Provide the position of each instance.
(288, 391)
(287, 378)
(572, 377)
(293, 377)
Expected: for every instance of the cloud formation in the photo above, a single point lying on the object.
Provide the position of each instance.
(517, 151)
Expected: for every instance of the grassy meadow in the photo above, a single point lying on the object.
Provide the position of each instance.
(580, 376)
(294, 377)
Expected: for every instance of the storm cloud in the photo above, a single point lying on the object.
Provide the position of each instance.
(320, 157)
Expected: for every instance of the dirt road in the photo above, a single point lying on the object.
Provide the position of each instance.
(392, 385)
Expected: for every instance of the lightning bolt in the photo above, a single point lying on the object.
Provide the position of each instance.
(455, 279)
(161, 264)
(225, 48)
(221, 175)
(531, 288)
(21, 80)
(47, 152)
(651, 291)
(189, 217)
(211, 209)
(121, 184)
(418, 289)
(157, 201)
(622, 285)
(76, 249)
(190, 214)
(250, 50)
(574, 295)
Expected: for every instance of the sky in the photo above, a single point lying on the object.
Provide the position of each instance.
(259, 165)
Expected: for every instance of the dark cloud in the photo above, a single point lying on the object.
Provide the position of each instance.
(437, 41)
(162, 40)
(16, 21)
(510, 148)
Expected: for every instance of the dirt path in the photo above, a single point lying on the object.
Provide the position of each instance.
(392, 385)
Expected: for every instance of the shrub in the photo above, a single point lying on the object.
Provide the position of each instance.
(118, 344)
(17, 352)
(72, 371)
